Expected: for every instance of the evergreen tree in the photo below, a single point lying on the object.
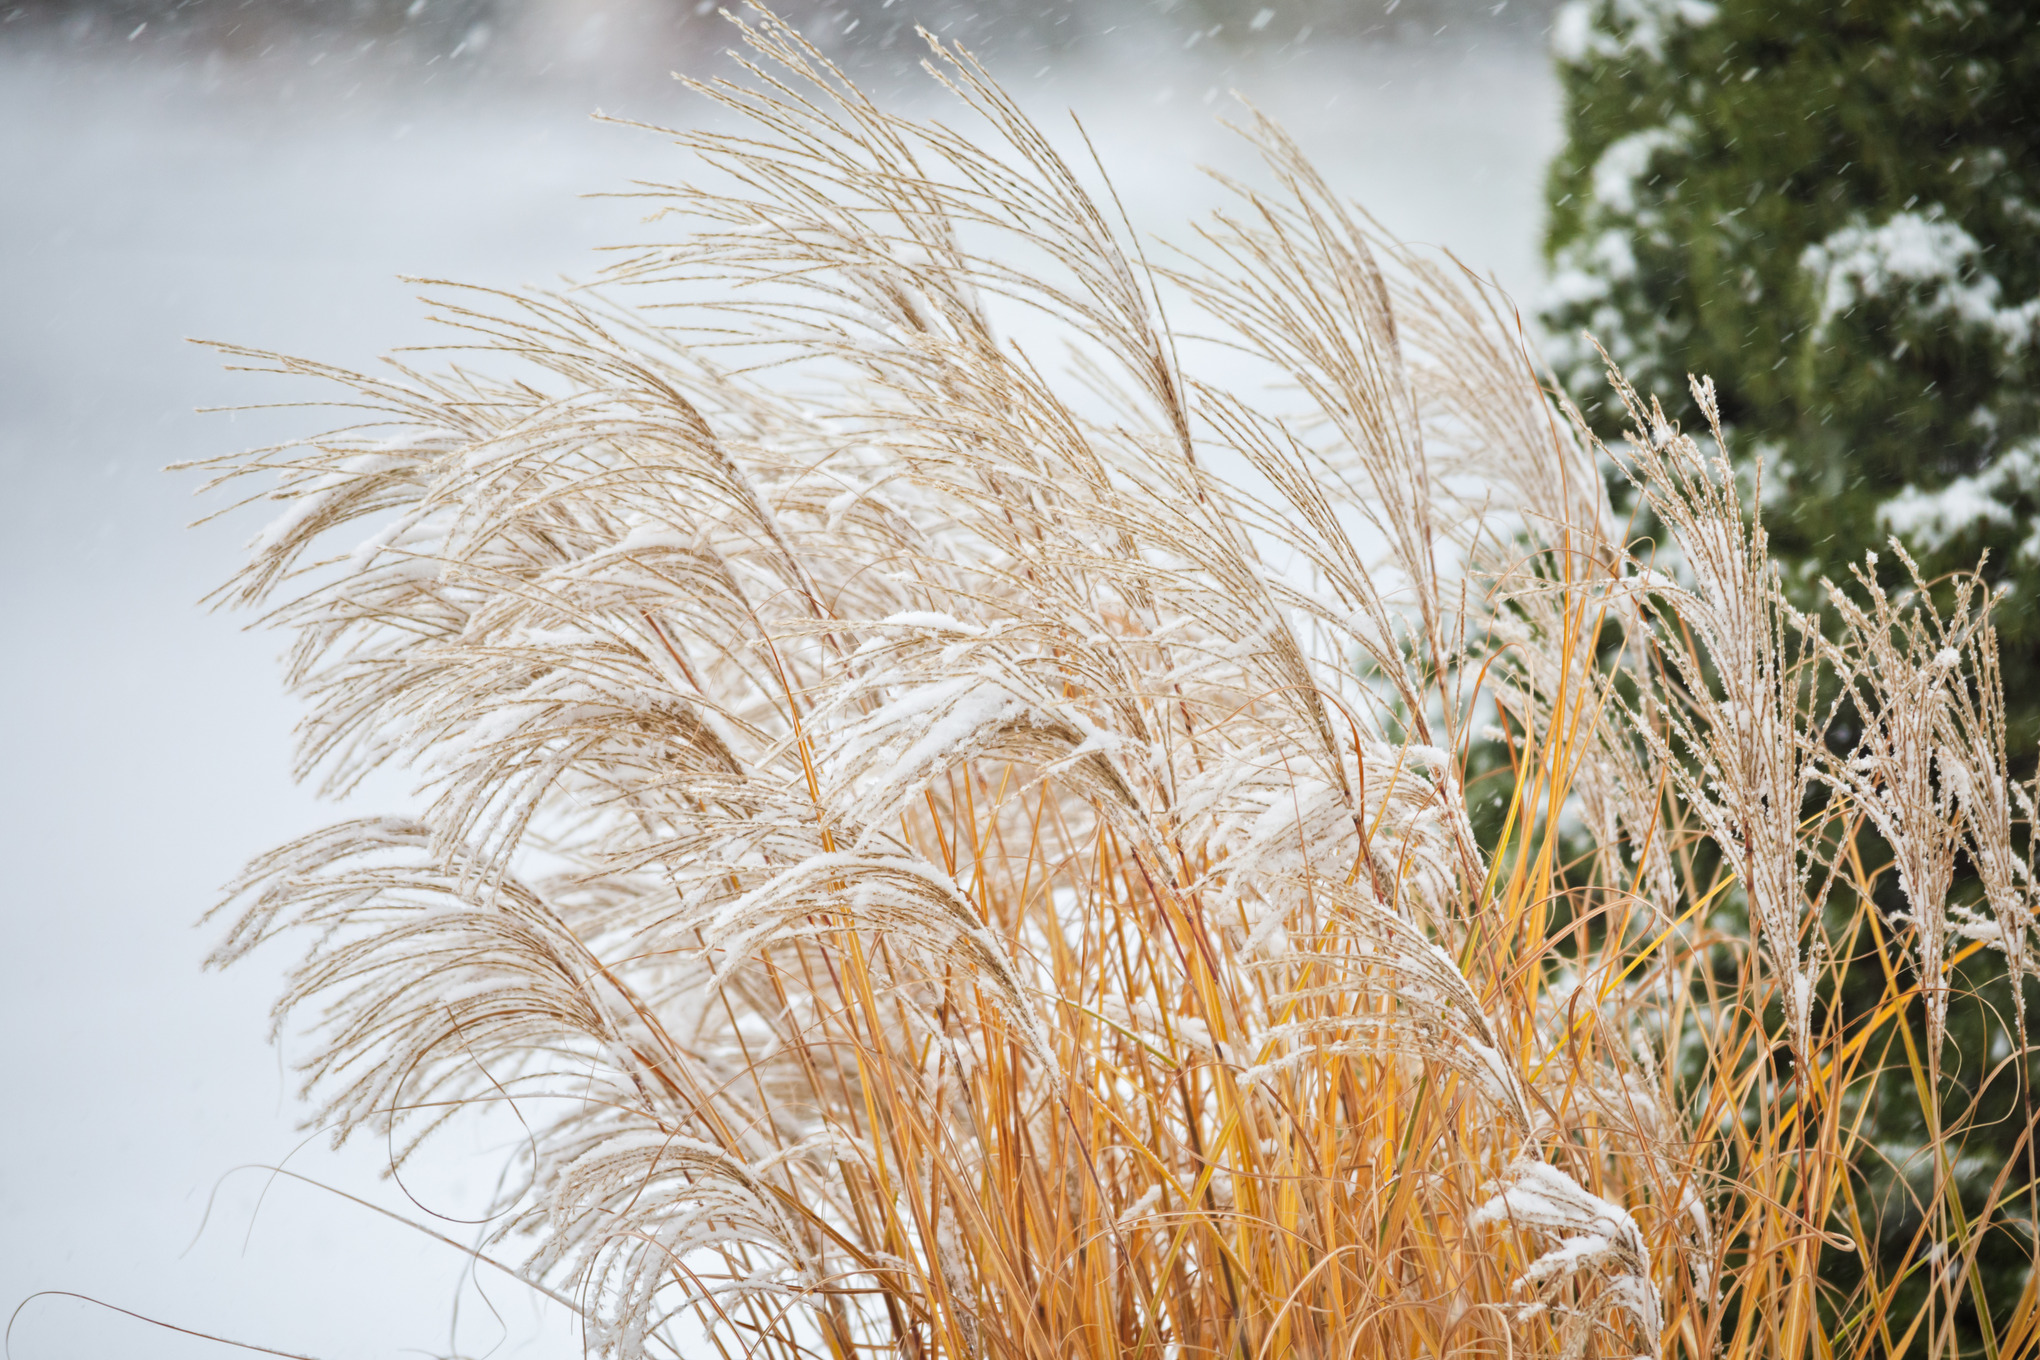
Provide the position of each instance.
(1833, 208)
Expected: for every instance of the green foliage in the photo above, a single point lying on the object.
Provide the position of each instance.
(1834, 210)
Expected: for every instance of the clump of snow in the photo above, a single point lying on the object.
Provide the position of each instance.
(1141, 1208)
(1930, 520)
(1631, 26)
(314, 498)
(1917, 250)
(1628, 159)
(924, 620)
(1572, 32)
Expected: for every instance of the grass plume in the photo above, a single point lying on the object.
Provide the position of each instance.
(954, 854)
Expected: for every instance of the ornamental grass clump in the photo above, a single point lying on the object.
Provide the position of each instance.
(968, 847)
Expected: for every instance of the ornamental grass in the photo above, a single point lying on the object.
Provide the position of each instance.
(990, 789)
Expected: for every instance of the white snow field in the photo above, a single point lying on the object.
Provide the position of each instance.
(274, 202)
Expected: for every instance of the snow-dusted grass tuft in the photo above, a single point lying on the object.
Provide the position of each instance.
(961, 846)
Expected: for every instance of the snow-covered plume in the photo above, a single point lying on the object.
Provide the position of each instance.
(1741, 740)
(1587, 1233)
(1929, 768)
(1899, 664)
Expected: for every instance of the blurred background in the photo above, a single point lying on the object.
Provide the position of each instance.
(263, 171)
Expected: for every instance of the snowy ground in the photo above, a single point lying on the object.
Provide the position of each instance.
(147, 742)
